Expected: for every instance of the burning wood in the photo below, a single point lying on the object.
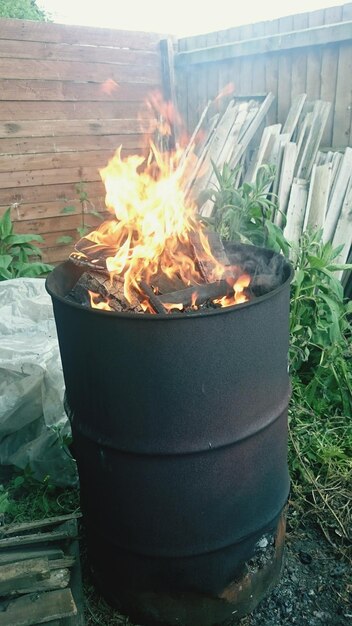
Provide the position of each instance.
(154, 255)
(97, 288)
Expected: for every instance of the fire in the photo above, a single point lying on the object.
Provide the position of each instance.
(151, 230)
(97, 303)
(238, 288)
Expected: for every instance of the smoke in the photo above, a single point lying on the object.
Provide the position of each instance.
(267, 269)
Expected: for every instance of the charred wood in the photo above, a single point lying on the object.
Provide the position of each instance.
(111, 291)
(198, 294)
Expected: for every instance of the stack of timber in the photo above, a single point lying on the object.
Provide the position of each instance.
(225, 139)
(314, 187)
(40, 577)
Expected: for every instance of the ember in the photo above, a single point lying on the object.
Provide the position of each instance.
(154, 252)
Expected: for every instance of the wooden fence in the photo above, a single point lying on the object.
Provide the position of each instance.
(69, 96)
(308, 53)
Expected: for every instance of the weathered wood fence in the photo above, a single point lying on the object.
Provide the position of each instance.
(69, 96)
(308, 53)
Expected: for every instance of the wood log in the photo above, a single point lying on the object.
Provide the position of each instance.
(110, 290)
(197, 294)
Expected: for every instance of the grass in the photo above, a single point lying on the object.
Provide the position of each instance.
(320, 461)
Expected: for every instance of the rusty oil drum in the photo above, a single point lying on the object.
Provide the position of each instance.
(180, 434)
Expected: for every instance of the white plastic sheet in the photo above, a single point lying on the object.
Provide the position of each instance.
(33, 423)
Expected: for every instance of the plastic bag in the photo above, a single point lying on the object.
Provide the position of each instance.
(33, 424)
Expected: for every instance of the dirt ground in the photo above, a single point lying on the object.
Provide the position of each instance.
(315, 588)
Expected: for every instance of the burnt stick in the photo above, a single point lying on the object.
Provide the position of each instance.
(153, 299)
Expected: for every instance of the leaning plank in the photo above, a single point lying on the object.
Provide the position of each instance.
(318, 196)
(343, 232)
(336, 162)
(276, 158)
(336, 201)
(192, 183)
(219, 140)
(262, 154)
(252, 129)
(294, 114)
(320, 116)
(287, 171)
(37, 608)
(193, 139)
(296, 210)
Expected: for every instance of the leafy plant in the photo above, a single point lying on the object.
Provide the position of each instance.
(31, 499)
(245, 213)
(22, 9)
(18, 255)
(87, 208)
(320, 331)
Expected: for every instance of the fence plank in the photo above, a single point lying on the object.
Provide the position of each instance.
(65, 192)
(17, 110)
(57, 90)
(271, 72)
(11, 48)
(72, 143)
(62, 128)
(26, 30)
(77, 71)
(284, 82)
(342, 117)
(299, 60)
(320, 35)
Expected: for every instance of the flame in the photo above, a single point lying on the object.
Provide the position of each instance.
(152, 229)
(97, 303)
(238, 296)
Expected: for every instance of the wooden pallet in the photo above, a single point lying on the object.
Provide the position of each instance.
(40, 574)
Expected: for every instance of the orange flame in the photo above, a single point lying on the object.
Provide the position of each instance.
(152, 226)
(97, 303)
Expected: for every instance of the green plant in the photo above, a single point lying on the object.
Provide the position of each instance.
(245, 213)
(320, 348)
(22, 10)
(31, 499)
(87, 208)
(18, 255)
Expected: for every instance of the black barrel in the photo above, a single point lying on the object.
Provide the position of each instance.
(180, 434)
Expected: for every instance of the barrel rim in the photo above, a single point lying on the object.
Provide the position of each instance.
(182, 316)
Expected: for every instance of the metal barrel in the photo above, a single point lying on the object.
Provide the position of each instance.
(180, 434)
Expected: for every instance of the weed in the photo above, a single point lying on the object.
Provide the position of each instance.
(18, 255)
